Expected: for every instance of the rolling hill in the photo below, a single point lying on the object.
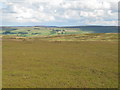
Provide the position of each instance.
(27, 31)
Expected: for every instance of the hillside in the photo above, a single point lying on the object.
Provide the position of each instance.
(44, 30)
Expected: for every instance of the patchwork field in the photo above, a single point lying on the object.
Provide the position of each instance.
(34, 31)
(43, 63)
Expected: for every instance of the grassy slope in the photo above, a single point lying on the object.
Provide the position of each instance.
(84, 37)
(92, 29)
(60, 64)
(72, 37)
(43, 30)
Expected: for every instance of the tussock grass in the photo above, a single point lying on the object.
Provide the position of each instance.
(60, 64)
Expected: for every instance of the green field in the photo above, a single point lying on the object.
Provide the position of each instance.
(39, 31)
(34, 31)
(47, 62)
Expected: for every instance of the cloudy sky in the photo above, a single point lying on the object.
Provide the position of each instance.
(59, 12)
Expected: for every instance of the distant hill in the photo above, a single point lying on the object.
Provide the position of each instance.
(54, 30)
(96, 29)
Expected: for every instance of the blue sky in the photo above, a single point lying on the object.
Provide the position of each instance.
(58, 12)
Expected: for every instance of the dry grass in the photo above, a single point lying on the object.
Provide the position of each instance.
(61, 64)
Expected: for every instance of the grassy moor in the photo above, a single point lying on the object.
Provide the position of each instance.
(51, 62)
(59, 44)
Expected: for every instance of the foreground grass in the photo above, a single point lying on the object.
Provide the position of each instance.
(61, 64)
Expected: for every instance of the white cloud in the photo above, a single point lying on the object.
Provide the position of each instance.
(43, 11)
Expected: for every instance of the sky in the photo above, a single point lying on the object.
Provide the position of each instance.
(58, 12)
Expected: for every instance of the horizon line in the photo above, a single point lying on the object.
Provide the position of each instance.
(51, 25)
